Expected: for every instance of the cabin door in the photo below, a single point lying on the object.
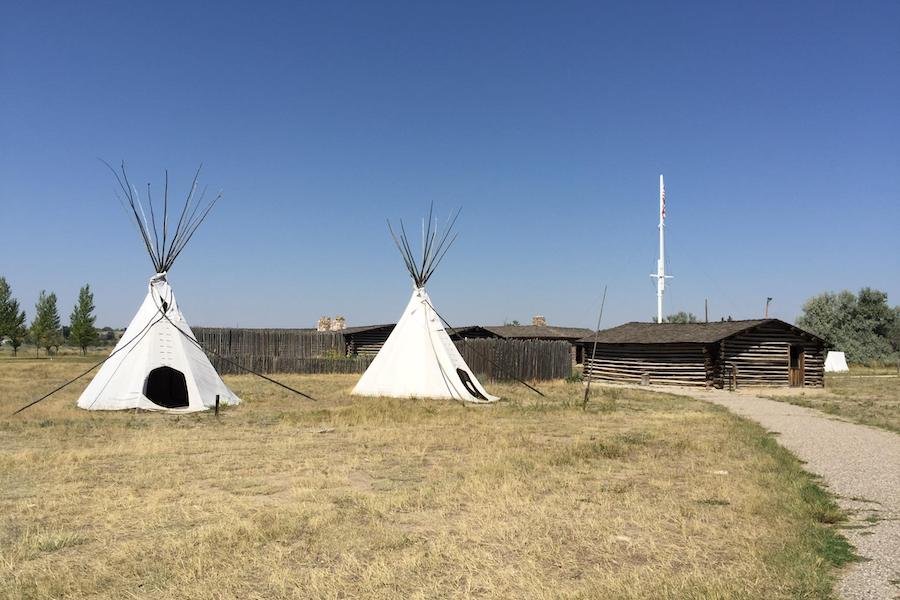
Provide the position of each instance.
(796, 366)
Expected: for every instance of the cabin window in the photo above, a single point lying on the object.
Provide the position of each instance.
(166, 387)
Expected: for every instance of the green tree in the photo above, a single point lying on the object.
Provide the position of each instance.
(12, 320)
(6, 300)
(46, 332)
(861, 325)
(82, 332)
(6, 310)
(894, 335)
(681, 317)
(17, 332)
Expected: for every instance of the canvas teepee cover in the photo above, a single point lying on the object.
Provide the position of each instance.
(419, 360)
(158, 364)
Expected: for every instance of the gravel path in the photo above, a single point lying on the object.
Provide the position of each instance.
(861, 466)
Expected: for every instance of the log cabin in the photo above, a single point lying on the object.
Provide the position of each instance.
(729, 354)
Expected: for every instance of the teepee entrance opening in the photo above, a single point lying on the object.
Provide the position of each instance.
(167, 387)
(470, 387)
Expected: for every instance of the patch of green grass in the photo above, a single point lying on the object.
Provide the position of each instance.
(872, 519)
(713, 502)
(835, 548)
(820, 504)
(594, 449)
(51, 542)
(581, 452)
(575, 377)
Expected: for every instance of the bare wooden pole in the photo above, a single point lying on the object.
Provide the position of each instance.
(587, 388)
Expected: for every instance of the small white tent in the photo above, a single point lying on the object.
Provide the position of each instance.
(836, 362)
(158, 363)
(419, 360)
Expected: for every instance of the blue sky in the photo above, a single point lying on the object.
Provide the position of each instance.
(776, 125)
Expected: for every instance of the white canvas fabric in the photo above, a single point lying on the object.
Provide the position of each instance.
(836, 362)
(419, 360)
(153, 355)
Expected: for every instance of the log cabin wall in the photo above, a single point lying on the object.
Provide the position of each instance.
(815, 366)
(664, 364)
(762, 357)
(367, 343)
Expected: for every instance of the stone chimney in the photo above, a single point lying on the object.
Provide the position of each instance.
(539, 321)
(324, 324)
(338, 324)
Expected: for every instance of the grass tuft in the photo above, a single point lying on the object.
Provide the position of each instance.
(53, 541)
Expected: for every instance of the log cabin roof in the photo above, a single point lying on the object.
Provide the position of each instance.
(470, 331)
(684, 333)
(388, 327)
(546, 332)
(365, 328)
(521, 332)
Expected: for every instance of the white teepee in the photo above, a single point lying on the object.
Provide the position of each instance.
(419, 360)
(836, 362)
(158, 363)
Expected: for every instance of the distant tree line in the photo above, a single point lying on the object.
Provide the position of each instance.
(862, 325)
(681, 317)
(46, 330)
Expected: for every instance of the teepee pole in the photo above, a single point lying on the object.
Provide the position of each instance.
(587, 388)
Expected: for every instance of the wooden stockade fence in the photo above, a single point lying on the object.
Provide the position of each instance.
(494, 359)
(308, 351)
(293, 343)
(279, 351)
(283, 364)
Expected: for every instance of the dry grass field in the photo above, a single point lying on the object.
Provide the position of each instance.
(861, 397)
(640, 496)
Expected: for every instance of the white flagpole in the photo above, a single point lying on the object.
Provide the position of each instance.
(660, 274)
